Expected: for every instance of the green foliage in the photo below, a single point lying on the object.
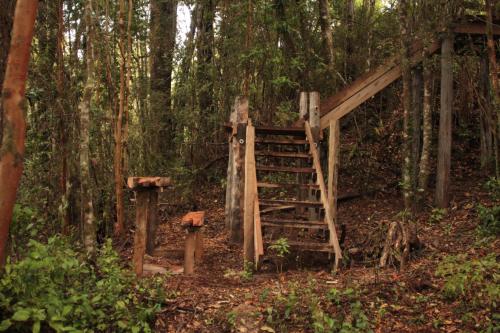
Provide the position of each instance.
(473, 281)
(280, 247)
(493, 187)
(56, 288)
(489, 220)
(437, 215)
(339, 311)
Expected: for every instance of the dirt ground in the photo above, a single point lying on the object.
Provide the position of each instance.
(394, 301)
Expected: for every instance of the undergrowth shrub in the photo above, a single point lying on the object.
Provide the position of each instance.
(476, 282)
(55, 288)
(338, 311)
(489, 220)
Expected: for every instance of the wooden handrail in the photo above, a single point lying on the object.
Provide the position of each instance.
(334, 241)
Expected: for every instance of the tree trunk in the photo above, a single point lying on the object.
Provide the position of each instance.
(487, 122)
(416, 123)
(13, 89)
(326, 29)
(407, 121)
(118, 155)
(494, 79)
(6, 15)
(444, 148)
(424, 167)
(89, 228)
(163, 32)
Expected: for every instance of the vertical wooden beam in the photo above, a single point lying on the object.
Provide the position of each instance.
(303, 109)
(141, 222)
(152, 223)
(314, 122)
(230, 173)
(333, 166)
(302, 193)
(198, 252)
(249, 202)
(445, 117)
(189, 252)
(237, 197)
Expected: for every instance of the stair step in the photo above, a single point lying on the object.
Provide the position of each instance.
(286, 131)
(300, 224)
(289, 185)
(281, 141)
(285, 169)
(275, 202)
(281, 154)
(308, 246)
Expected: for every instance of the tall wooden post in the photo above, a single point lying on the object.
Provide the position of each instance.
(314, 122)
(152, 224)
(238, 179)
(230, 174)
(302, 193)
(333, 166)
(249, 195)
(444, 148)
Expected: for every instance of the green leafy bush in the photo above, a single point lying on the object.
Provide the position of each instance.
(489, 220)
(474, 281)
(54, 288)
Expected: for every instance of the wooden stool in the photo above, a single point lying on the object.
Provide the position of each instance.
(146, 218)
(193, 252)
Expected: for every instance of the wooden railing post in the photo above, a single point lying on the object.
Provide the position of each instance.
(333, 166)
(236, 196)
(249, 195)
(314, 122)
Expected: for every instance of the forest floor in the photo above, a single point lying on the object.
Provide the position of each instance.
(306, 297)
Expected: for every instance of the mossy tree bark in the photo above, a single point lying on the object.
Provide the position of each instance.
(13, 91)
(88, 218)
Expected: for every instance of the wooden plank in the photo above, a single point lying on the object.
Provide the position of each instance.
(276, 202)
(250, 192)
(333, 166)
(189, 252)
(284, 220)
(288, 186)
(367, 91)
(281, 154)
(475, 28)
(281, 141)
(285, 169)
(144, 182)
(276, 208)
(303, 105)
(321, 182)
(286, 131)
(258, 243)
(141, 220)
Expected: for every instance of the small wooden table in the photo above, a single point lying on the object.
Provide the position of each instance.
(146, 218)
(193, 252)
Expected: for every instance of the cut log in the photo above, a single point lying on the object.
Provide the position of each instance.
(144, 182)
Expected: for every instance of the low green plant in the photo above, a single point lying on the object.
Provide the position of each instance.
(493, 187)
(475, 282)
(280, 248)
(55, 288)
(437, 214)
(489, 220)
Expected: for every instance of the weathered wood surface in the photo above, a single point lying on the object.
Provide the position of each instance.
(238, 178)
(333, 166)
(135, 183)
(366, 86)
(141, 226)
(152, 222)
(250, 195)
(324, 200)
(193, 219)
(445, 124)
(189, 253)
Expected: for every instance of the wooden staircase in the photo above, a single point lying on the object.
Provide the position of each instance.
(290, 198)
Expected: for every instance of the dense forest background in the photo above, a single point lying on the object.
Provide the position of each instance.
(144, 88)
(117, 82)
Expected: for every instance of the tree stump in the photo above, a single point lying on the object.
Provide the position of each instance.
(146, 221)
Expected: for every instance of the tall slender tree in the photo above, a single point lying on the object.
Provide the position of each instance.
(88, 218)
(13, 90)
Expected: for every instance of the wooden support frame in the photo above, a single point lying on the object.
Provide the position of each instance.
(321, 182)
(333, 166)
(250, 194)
(146, 189)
